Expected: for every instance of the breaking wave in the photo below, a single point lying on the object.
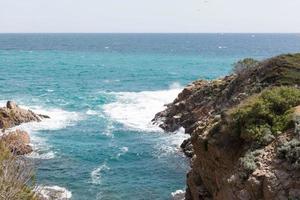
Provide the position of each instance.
(135, 110)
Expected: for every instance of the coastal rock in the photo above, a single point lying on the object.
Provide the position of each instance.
(216, 168)
(12, 115)
(187, 148)
(18, 142)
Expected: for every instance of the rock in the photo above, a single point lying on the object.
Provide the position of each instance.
(294, 193)
(18, 142)
(187, 148)
(44, 116)
(11, 105)
(12, 115)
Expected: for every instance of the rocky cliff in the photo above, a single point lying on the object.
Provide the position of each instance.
(244, 142)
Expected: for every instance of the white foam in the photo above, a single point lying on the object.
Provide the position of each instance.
(109, 130)
(42, 156)
(96, 173)
(91, 112)
(54, 192)
(178, 195)
(111, 80)
(170, 143)
(50, 90)
(123, 151)
(59, 119)
(135, 110)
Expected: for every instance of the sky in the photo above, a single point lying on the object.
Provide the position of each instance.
(149, 16)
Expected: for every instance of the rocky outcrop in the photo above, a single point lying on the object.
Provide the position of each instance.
(202, 100)
(12, 115)
(17, 141)
(224, 166)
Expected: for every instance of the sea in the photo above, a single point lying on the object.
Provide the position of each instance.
(101, 92)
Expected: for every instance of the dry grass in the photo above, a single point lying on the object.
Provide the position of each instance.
(16, 176)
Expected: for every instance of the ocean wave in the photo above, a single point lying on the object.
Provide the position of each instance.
(170, 143)
(135, 110)
(123, 151)
(54, 192)
(96, 174)
(178, 195)
(91, 112)
(41, 156)
(59, 119)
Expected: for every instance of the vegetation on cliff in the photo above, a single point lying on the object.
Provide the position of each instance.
(16, 176)
(290, 151)
(268, 113)
(16, 171)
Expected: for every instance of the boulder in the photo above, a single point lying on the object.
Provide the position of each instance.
(18, 142)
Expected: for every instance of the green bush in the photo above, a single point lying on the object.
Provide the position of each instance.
(248, 162)
(267, 113)
(244, 65)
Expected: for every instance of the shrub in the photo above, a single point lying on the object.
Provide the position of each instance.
(290, 151)
(16, 176)
(267, 113)
(248, 162)
(244, 65)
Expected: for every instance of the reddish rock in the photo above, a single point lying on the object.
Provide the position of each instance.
(18, 142)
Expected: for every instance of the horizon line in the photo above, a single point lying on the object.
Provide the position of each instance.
(150, 33)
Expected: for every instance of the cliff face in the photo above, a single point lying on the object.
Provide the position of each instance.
(224, 164)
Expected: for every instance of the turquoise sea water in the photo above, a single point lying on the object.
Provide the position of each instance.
(102, 90)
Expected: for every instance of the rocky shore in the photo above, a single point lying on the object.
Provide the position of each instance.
(244, 131)
(10, 116)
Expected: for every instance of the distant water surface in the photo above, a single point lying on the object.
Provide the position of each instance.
(101, 92)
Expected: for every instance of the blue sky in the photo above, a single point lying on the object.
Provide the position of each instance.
(149, 16)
